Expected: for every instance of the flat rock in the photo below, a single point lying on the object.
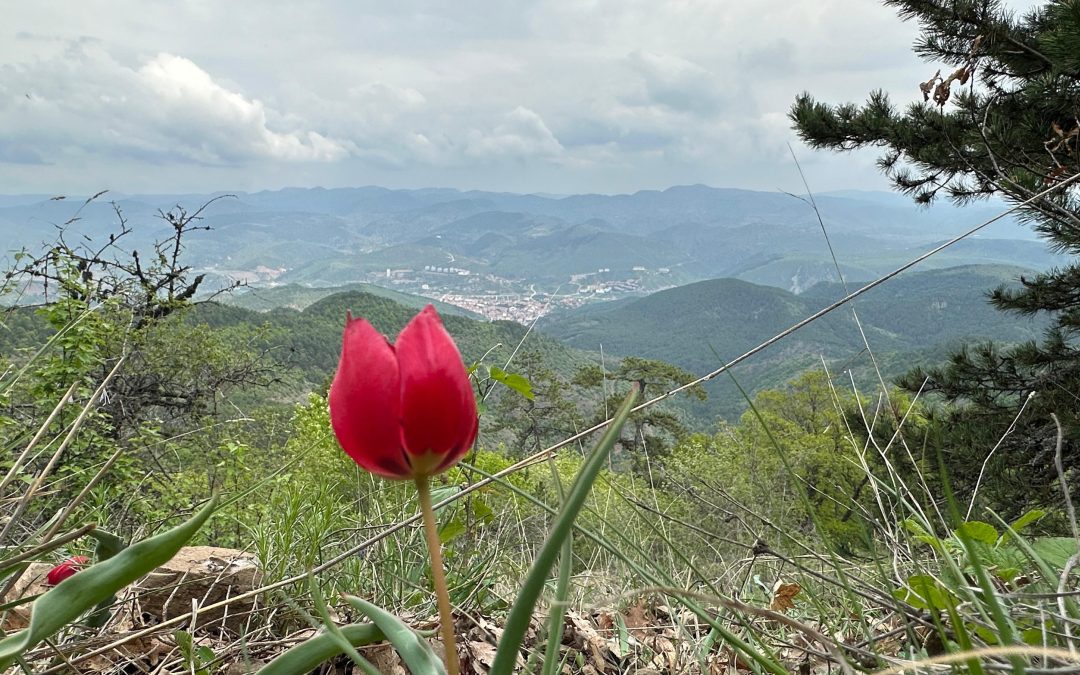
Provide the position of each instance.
(201, 576)
(32, 582)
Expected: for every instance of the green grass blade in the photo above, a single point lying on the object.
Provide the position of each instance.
(68, 600)
(1007, 632)
(413, 649)
(987, 601)
(557, 616)
(306, 656)
(334, 632)
(108, 546)
(760, 661)
(517, 623)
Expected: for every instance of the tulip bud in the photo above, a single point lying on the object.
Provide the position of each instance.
(65, 569)
(405, 410)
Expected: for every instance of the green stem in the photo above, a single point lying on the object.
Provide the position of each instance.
(446, 617)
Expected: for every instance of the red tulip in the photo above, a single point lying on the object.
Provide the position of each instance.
(405, 410)
(65, 569)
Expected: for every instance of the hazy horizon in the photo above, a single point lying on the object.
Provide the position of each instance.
(110, 193)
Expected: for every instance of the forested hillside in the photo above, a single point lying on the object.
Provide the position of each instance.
(702, 326)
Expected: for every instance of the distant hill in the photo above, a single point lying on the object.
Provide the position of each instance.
(347, 235)
(295, 296)
(702, 325)
(310, 339)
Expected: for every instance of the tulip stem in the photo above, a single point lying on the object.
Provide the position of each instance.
(438, 576)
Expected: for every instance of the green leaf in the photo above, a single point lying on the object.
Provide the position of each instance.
(914, 527)
(1054, 551)
(978, 531)
(1033, 636)
(1006, 630)
(516, 382)
(920, 533)
(624, 635)
(442, 493)
(517, 623)
(306, 656)
(1028, 553)
(557, 608)
(413, 649)
(482, 511)
(1027, 519)
(1007, 574)
(451, 530)
(334, 631)
(63, 604)
(986, 634)
(108, 544)
(923, 592)
(184, 642)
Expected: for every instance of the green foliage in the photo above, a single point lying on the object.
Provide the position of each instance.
(827, 456)
(412, 648)
(116, 322)
(650, 434)
(980, 574)
(1006, 555)
(551, 414)
(197, 659)
(308, 655)
(61, 606)
(1002, 122)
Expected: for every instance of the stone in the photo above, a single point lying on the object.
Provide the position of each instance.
(201, 576)
(32, 582)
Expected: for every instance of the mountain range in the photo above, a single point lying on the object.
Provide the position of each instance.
(323, 237)
(729, 268)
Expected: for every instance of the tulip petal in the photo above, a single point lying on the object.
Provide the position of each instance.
(452, 459)
(438, 409)
(365, 402)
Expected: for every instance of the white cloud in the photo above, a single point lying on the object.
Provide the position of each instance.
(573, 95)
(521, 135)
(224, 125)
(168, 109)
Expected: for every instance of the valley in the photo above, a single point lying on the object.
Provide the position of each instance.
(518, 257)
(691, 275)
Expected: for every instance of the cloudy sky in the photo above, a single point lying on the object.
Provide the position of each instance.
(561, 96)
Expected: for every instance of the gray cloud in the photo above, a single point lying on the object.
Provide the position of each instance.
(546, 95)
(15, 152)
(677, 84)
